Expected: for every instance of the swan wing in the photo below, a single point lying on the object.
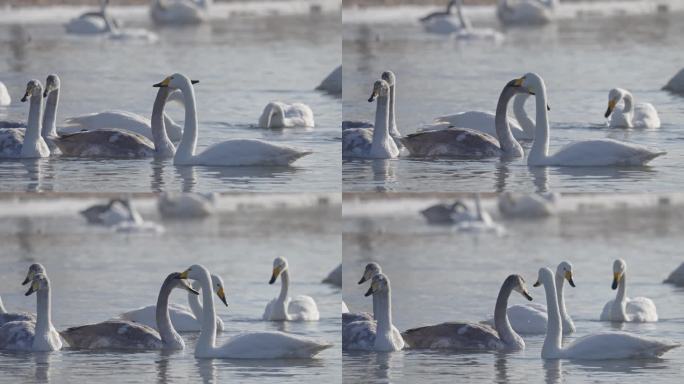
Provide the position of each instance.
(303, 308)
(11, 142)
(113, 334)
(23, 316)
(359, 335)
(106, 143)
(350, 317)
(246, 152)
(184, 205)
(452, 142)
(603, 152)
(645, 116)
(270, 345)
(616, 345)
(641, 309)
(299, 115)
(109, 119)
(181, 317)
(452, 335)
(269, 310)
(17, 336)
(478, 120)
(357, 142)
(606, 314)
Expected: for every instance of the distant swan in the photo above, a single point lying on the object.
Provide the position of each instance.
(597, 152)
(40, 336)
(92, 22)
(533, 205)
(474, 336)
(19, 143)
(285, 308)
(624, 309)
(277, 114)
(332, 84)
(124, 334)
(179, 11)
(246, 345)
(443, 213)
(186, 205)
(640, 115)
(445, 22)
(378, 334)
(526, 12)
(595, 346)
(236, 152)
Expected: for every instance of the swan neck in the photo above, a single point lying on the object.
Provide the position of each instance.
(43, 312)
(162, 144)
(629, 103)
(560, 279)
(382, 311)
(554, 330)
(540, 146)
(382, 143)
(34, 122)
(2, 308)
(508, 144)
(501, 323)
(465, 23)
(207, 338)
(392, 117)
(620, 304)
(284, 286)
(50, 117)
(194, 301)
(166, 330)
(521, 115)
(186, 148)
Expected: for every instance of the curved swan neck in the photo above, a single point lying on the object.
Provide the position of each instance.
(554, 329)
(381, 137)
(508, 144)
(560, 281)
(394, 132)
(166, 330)
(629, 103)
(465, 23)
(620, 303)
(50, 117)
(207, 338)
(501, 323)
(194, 301)
(521, 115)
(284, 285)
(33, 130)
(186, 148)
(162, 145)
(540, 146)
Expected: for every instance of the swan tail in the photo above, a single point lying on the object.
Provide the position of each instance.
(648, 156)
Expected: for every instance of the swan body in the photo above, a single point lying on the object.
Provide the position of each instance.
(640, 115)
(589, 153)
(676, 83)
(185, 205)
(16, 143)
(179, 12)
(277, 114)
(183, 318)
(285, 308)
(38, 336)
(525, 12)
(5, 98)
(113, 212)
(445, 22)
(378, 334)
(596, 346)
(474, 336)
(335, 277)
(677, 276)
(236, 152)
(444, 213)
(92, 22)
(6, 317)
(124, 120)
(527, 205)
(332, 84)
(624, 309)
(248, 345)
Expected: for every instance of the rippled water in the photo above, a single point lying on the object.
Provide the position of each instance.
(438, 275)
(243, 62)
(97, 274)
(580, 59)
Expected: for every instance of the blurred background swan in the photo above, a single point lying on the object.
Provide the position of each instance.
(277, 114)
(631, 115)
(332, 84)
(179, 12)
(526, 12)
(96, 22)
(5, 98)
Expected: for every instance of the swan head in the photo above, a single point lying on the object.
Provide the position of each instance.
(273, 115)
(279, 265)
(371, 270)
(565, 269)
(389, 77)
(33, 270)
(532, 83)
(614, 97)
(52, 83)
(619, 267)
(218, 287)
(40, 282)
(518, 284)
(175, 81)
(545, 277)
(380, 89)
(380, 283)
(33, 88)
(176, 282)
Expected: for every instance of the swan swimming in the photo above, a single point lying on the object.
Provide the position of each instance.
(640, 115)
(533, 205)
(186, 205)
(184, 319)
(6, 317)
(92, 22)
(531, 318)
(378, 334)
(285, 308)
(445, 22)
(277, 114)
(376, 143)
(5, 98)
(526, 12)
(179, 12)
(332, 84)
(595, 346)
(623, 308)
(236, 152)
(676, 277)
(444, 213)
(589, 153)
(246, 345)
(369, 271)
(17, 143)
(113, 212)
(129, 335)
(40, 336)
(474, 336)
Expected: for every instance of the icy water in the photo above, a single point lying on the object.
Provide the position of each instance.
(580, 59)
(242, 61)
(438, 275)
(97, 274)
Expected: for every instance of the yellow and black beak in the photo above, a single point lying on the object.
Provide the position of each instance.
(611, 106)
(274, 275)
(29, 277)
(184, 274)
(616, 279)
(568, 277)
(185, 285)
(536, 284)
(222, 295)
(33, 288)
(162, 84)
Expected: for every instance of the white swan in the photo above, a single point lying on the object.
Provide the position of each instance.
(236, 152)
(676, 277)
(526, 12)
(16, 143)
(128, 220)
(533, 205)
(379, 334)
(285, 308)
(445, 22)
(6, 317)
(640, 115)
(474, 336)
(5, 98)
(470, 143)
(676, 83)
(332, 84)
(183, 318)
(247, 345)
(186, 205)
(597, 152)
(596, 346)
(92, 22)
(277, 114)
(27, 335)
(179, 11)
(125, 334)
(624, 309)
(531, 318)
(369, 272)
(113, 212)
